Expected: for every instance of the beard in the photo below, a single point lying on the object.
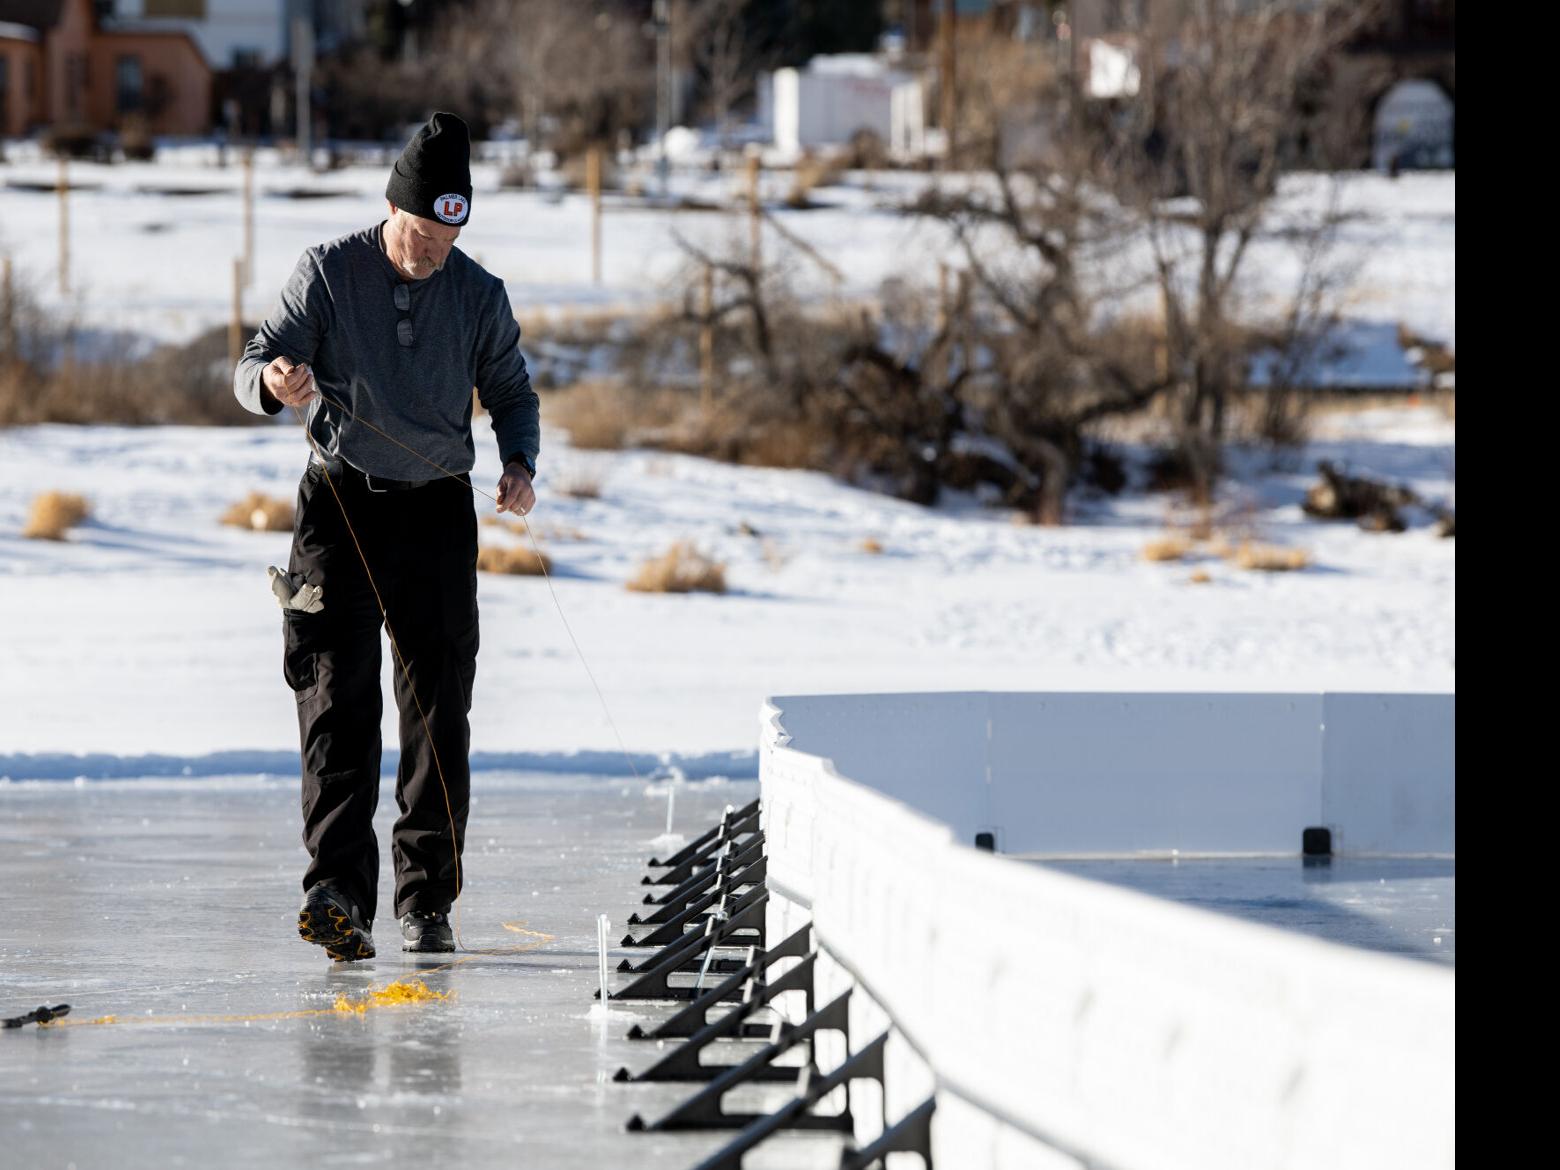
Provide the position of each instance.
(421, 269)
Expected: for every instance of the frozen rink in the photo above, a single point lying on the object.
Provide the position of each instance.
(170, 906)
(1396, 905)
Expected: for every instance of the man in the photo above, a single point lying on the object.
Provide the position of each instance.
(382, 334)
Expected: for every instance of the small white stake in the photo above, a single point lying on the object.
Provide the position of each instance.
(602, 925)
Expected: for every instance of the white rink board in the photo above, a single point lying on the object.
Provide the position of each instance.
(1109, 772)
(1066, 1022)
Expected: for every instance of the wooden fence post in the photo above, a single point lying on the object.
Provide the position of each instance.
(707, 344)
(63, 187)
(593, 183)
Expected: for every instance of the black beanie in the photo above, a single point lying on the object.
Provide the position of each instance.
(432, 178)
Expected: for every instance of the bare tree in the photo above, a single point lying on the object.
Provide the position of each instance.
(573, 71)
(1150, 200)
(1215, 119)
(1035, 230)
(1101, 248)
(715, 38)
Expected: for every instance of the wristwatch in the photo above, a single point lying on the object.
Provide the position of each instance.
(524, 461)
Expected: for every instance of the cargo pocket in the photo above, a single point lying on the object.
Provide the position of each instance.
(300, 656)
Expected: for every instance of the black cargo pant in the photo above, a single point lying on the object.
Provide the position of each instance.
(421, 545)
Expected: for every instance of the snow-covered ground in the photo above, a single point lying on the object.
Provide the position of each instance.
(152, 628)
(159, 264)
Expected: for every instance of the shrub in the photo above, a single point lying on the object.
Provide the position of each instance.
(1374, 504)
(135, 139)
(74, 140)
(1270, 558)
(516, 561)
(866, 151)
(1167, 548)
(812, 171)
(681, 569)
(187, 384)
(53, 514)
(261, 513)
(754, 435)
(607, 416)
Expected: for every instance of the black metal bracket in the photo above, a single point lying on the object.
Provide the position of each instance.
(684, 870)
(652, 982)
(682, 1062)
(707, 836)
(690, 1019)
(866, 1064)
(672, 929)
(703, 1110)
(911, 1134)
(39, 1015)
(750, 926)
(672, 900)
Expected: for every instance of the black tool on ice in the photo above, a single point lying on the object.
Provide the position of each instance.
(39, 1015)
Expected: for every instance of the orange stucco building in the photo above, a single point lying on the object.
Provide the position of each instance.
(59, 67)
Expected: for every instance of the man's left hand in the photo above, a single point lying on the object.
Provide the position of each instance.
(515, 493)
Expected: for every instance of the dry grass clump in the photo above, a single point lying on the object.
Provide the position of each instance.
(812, 171)
(186, 384)
(871, 545)
(680, 569)
(775, 556)
(517, 561)
(1200, 577)
(1270, 558)
(738, 432)
(579, 487)
(1167, 548)
(55, 513)
(607, 416)
(260, 512)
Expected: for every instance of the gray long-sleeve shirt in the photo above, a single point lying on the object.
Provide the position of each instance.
(338, 314)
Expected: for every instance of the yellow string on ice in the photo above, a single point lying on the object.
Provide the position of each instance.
(397, 993)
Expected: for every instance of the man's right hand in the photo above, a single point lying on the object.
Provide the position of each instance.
(290, 383)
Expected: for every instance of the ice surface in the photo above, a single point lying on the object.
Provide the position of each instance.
(1400, 905)
(150, 900)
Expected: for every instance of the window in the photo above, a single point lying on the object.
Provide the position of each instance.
(75, 82)
(127, 84)
(1125, 15)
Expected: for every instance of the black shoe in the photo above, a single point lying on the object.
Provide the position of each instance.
(330, 919)
(427, 932)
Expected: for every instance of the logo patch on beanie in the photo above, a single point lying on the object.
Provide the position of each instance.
(451, 208)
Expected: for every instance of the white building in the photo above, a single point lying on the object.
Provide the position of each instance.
(831, 98)
(1415, 126)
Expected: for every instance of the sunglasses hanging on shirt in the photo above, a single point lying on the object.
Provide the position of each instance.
(403, 302)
